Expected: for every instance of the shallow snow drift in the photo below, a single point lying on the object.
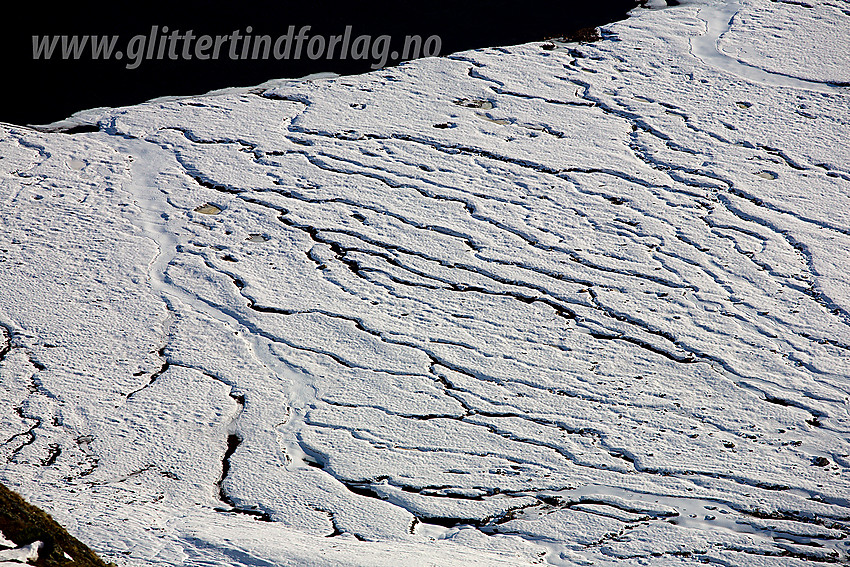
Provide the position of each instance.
(578, 304)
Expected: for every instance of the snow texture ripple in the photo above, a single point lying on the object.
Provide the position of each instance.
(550, 303)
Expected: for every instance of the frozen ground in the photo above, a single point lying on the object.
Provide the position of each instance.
(577, 305)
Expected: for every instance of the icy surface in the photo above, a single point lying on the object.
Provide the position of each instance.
(558, 303)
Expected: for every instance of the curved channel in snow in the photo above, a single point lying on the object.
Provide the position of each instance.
(149, 161)
(718, 17)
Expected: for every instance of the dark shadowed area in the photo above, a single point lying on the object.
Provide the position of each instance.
(43, 90)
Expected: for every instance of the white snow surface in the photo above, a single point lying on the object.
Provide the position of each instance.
(550, 303)
(18, 555)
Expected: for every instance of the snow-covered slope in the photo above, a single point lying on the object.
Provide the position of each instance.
(575, 304)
